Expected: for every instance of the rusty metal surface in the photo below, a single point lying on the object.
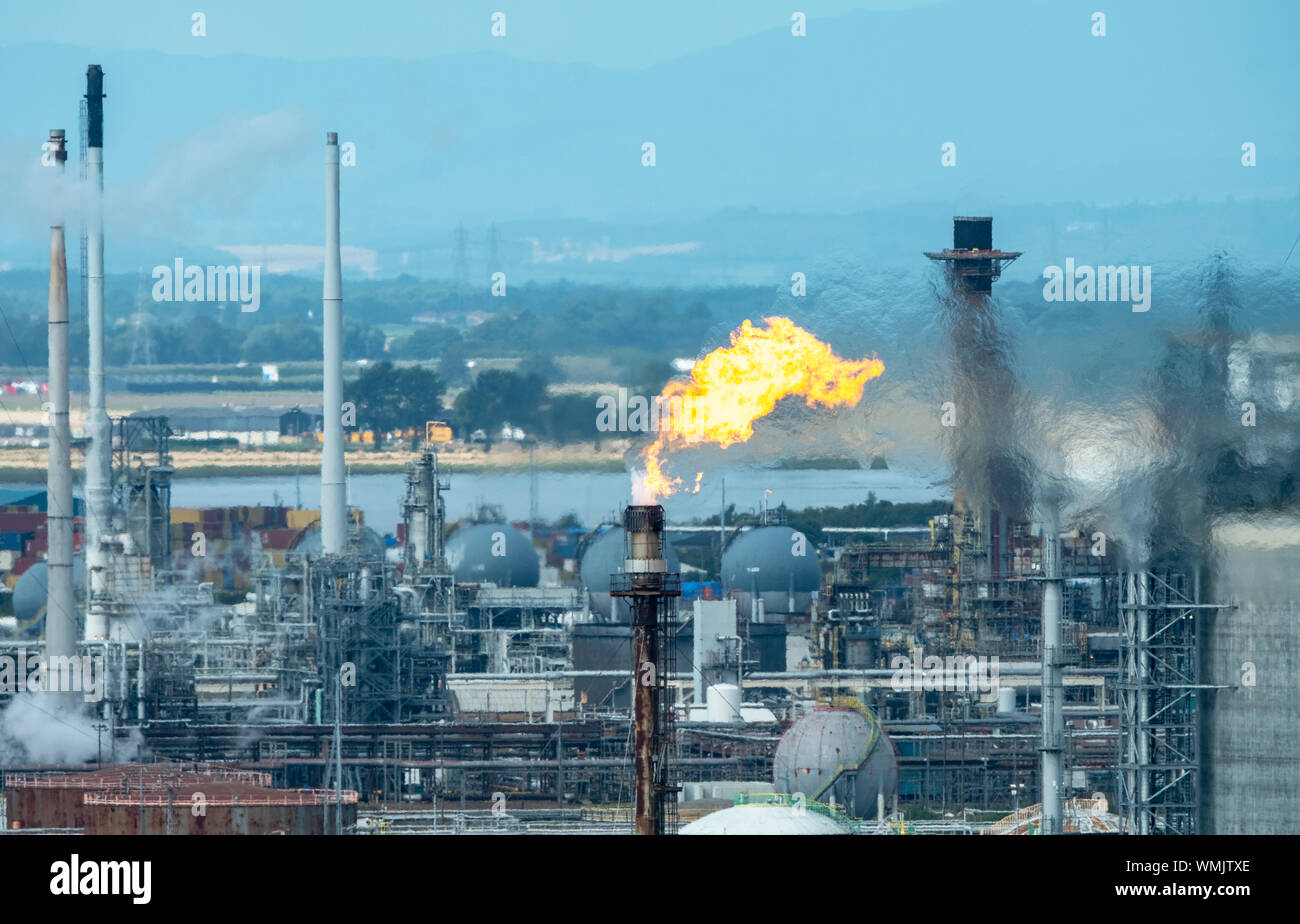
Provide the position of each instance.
(162, 798)
(180, 818)
(645, 709)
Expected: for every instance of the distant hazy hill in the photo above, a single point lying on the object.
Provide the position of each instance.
(212, 152)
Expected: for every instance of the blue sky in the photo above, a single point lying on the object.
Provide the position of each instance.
(609, 33)
(213, 143)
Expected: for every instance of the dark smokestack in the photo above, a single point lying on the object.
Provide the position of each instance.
(646, 581)
(95, 106)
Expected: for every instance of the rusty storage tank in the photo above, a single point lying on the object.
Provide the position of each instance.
(223, 808)
(58, 800)
(839, 753)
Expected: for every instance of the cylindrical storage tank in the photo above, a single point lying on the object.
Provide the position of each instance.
(1006, 700)
(838, 752)
(493, 553)
(603, 557)
(788, 573)
(1249, 751)
(723, 701)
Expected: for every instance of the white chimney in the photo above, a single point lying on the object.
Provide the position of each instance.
(333, 503)
(99, 455)
(60, 599)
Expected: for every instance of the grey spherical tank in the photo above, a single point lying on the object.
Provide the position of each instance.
(838, 752)
(602, 557)
(777, 562)
(493, 553)
(30, 595)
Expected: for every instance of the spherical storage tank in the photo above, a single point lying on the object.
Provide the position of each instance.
(604, 557)
(840, 752)
(30, 594)
(749, 820)
(788, 574)
(493, 553)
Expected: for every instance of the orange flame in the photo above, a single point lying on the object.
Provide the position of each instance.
(733, 386)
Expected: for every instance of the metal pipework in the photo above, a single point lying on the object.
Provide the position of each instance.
(333, 504)
(99, 455)
(1053, 729)
(60, 596)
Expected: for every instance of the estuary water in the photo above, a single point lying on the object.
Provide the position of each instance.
(590, 496)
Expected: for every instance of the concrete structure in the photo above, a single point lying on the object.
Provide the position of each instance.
(1251, 657)
(716, 648)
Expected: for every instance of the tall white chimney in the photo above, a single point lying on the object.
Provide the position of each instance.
(333, 503)
(60, 599)
(99, 458)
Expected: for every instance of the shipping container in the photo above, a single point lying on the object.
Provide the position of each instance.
(14, 541)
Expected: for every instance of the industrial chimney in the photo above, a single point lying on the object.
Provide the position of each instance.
(60, 599)
(645, 579)
(333, 504)
(99, 458)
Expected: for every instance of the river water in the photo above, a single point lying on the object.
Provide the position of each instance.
(591, 496)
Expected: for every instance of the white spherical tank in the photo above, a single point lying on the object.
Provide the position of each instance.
(838, 752)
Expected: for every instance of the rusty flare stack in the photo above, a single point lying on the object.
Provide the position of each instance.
(648, 583)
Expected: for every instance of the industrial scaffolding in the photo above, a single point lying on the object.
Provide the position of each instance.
(1159, 766)
(398, 675)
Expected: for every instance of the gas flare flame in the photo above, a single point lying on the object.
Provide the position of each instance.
(733, 386)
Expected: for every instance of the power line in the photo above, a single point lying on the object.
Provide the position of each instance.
(1292, 250)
